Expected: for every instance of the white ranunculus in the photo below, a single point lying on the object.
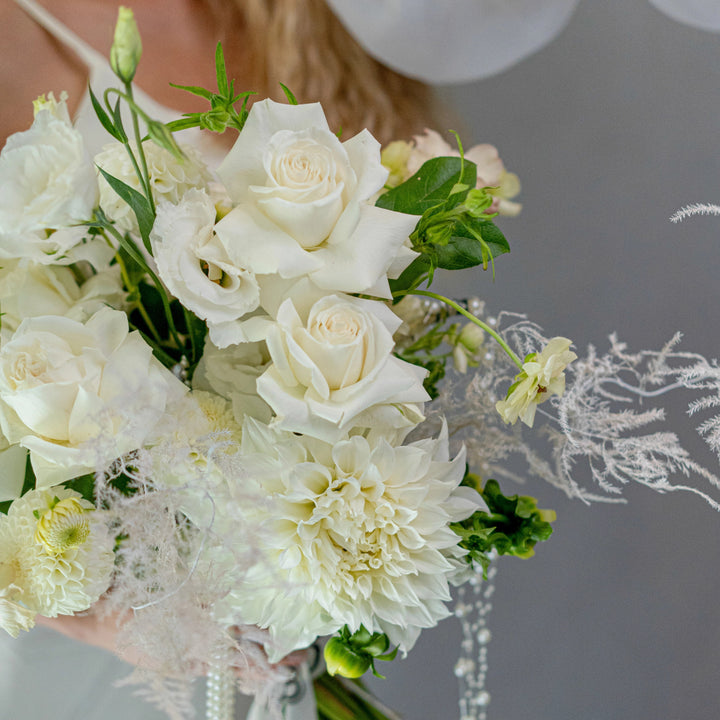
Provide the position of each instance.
(79, 395)
(357, 534)
(30, 290)
(333, 368)
(170, 178)
(196, 268)
(46, 179)
(301, 202)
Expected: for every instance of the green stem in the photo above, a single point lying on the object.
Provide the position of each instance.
(459, 308)
(145, 177)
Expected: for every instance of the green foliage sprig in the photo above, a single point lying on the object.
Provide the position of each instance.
(455, 230)
(222, 113)
(513, 525)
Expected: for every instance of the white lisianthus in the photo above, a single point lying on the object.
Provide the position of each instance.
(333, 368)
(196, 267)
(232, 373)
(357, 534)
(30, 290)
(46, 179)
(56, 554)
(79, 395)
(301, 202)
(170, 178)
(542, 375)
(490, 168)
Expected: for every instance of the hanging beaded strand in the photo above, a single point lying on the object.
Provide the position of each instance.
(472, 609)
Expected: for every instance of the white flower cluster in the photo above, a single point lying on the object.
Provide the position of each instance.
(298, 401)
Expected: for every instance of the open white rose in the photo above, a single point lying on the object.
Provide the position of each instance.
(197, 269)
(301, 202)
(333, 369)
(79, 395)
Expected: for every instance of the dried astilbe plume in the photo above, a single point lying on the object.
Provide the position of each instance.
(165, 582)
(604, 423)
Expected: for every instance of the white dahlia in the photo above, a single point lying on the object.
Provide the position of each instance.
(357, 534)
(55, 553)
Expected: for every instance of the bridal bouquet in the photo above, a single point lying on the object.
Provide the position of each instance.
(227, 397)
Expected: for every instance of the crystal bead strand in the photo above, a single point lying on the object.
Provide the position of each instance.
(472, 608)
(220, 690)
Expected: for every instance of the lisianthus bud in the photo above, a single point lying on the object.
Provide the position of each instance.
(342, 660)
(127, 47)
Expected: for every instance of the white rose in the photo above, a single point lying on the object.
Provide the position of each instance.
(46, 180)
(170, 178)
(30, 290)
(196, 268)
(302, 205)
(333, 369)
(79, 395)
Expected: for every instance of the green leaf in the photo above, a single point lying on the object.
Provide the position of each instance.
(138, 203)
(431, 185)
(288, 94)
(464, 250)
(195, 90)
(221, 72)
(85, 485)
(117, 119)
(411, 277)
(104, 118)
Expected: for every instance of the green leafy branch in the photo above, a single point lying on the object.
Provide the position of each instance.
(222, 113)
(513, 524)
(455, 230)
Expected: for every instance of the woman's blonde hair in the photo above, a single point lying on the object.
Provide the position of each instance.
(301, 44)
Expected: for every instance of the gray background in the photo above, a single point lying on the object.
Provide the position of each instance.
(611, 128)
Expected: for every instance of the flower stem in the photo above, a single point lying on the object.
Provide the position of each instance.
(145, 177)
(459, 308)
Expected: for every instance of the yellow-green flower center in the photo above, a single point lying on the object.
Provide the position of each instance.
(64, 526)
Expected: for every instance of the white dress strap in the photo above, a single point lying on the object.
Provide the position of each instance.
(91, 57)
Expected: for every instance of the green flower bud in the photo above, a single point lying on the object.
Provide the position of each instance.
(216, 120)
(341, 660)
(127, 47)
